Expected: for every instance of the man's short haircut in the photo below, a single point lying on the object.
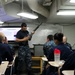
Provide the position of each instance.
(50, 37)
(59, 37)
(23, 25)
(2, 36)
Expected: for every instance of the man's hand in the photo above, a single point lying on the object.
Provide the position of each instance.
(47, 66)
(33, 32)
(26, 38)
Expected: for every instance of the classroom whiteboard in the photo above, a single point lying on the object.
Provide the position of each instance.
(43, 31)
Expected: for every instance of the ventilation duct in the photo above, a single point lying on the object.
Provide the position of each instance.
(35, 6)
(6, 1)
(65, 4)
(11, 5)
(12, 9)
(47, 2)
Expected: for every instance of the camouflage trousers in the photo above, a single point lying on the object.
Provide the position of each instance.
(24, 55)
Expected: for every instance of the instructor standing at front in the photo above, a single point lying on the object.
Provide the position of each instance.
(24, 53)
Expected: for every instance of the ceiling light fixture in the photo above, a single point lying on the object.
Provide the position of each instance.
(27, 14)
(66, 12)
(17, 0)
(1, 22)
(72, 1)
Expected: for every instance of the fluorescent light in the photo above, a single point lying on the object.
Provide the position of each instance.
(66, 12)
(1, 22)
(17, 0)
(72, 1)
(28, 15)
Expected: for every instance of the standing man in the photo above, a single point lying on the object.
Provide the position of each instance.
(24, 53)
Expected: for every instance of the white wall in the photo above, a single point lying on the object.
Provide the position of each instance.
(69, 31)
(44, 30)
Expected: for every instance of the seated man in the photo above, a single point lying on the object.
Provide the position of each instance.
(64, 52)
(48, 45)
(66, 43)
(69, 63)
(11, 50)
(5, 50)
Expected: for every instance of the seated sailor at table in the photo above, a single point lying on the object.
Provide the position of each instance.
(48, 45)
(69, 63)
(5, 49)
(5, 53)
(64, 52)
(11, 50)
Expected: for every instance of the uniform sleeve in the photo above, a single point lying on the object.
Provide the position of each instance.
(44, 50)
(51, 54)
(9, 55)
(18, 34)
(30, 35)
(69, 63)
(70, 46)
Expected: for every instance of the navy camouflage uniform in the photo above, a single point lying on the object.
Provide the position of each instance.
(24, 53)
(47, 46)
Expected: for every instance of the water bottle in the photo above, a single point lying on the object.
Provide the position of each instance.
(56, 55)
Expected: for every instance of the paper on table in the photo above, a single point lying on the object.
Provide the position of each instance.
(44, 58)
(56, 64)
(2, 63)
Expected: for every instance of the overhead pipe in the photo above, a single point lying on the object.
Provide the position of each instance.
(35, 6)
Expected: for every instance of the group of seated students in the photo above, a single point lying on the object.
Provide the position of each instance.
(66, 54)
(53, 42)
(6, 52)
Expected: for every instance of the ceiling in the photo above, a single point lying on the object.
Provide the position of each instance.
(57, 5)
(45, 9)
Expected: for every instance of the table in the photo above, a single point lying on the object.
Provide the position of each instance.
(3, 67)
(68, 72)
(11, 65)
(56, 64)
(40, 66)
